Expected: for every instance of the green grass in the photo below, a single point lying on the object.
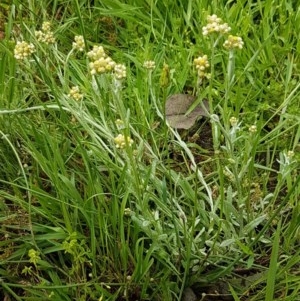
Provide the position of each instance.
(84, 220)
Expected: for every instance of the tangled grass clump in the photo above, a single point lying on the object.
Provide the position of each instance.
(129, 178)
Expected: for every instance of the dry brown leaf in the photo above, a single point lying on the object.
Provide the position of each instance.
(177, 106)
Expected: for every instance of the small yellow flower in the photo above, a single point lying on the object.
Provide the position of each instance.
(253, 129)
(213, 19)
(100, 62)
(119, 123)
(121, 141)
(233, 42)
(290, 154)
(233, 121)
(96, 53)
(102, 65)
(210, 28)
(78, 43)
(224, 28)
(46, 26)
(75, 93)
(201, 63)
(23, 50)
(39, 35)
(150, 65)
(49, 38)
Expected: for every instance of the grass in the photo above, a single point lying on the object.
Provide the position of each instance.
(83, 219)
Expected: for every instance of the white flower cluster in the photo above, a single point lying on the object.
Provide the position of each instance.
(120, 71)
(101, 62)
(121, 141)
(233, 121)
(215, 24)
(23, 50)
(78, 43)
(75, 93)
(253, 129)
(45, 35)
(201, 63)
(233, 42)
(150, 65)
